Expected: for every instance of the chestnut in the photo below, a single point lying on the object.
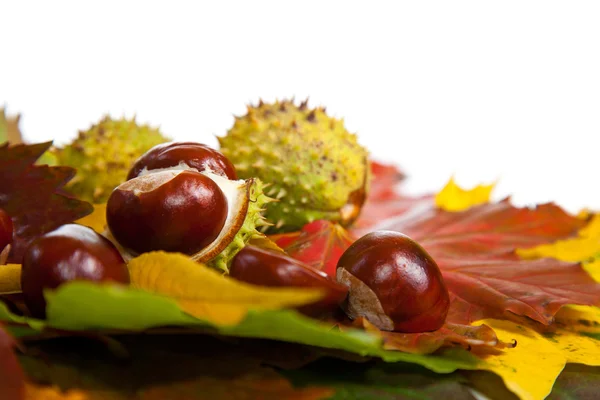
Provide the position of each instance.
(262, 267)
(6, 235)
(174, 210)
(393, 283)
(194, 155)
(71, 252)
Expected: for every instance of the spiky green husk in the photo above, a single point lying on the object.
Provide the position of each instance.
(249, 231)
(103, 155)
(314, 164)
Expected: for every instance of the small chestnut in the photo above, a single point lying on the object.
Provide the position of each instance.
(393, 283)
(264, 267)
(174, 210)
(194, 155)
(71, 252)
(6, 235)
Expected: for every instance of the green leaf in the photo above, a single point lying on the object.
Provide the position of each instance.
(79, 306)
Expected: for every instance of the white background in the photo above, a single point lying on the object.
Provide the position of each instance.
(486, 91)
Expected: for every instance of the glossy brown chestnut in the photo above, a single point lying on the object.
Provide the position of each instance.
(264, 267)
(178, 211)
(71, 252)
(6, 229)
(393, 283)
(194, 155)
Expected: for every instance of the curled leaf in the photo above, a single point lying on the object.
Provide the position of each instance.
(206, 294)
(469, 337)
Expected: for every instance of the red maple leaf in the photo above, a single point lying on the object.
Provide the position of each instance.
(31, 195)
(475, 250)
(319, 244)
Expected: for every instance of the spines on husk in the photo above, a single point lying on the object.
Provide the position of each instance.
(316, 167)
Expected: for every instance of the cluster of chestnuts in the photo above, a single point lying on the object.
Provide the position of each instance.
(172, 202)
(173, 208)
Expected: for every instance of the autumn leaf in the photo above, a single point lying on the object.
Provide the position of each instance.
(585, 248)
(12, 379)
(385, 199)
(385, 180)
(203, 367)
(531, 369)
(96, 220)
(9, 128)
(80, 307)
(158, 367)
(29, 194)
(475, 250)
(378, 380)
(454, 198)
(10, 278)
(207, 294)
(319, 244)
(449, 335)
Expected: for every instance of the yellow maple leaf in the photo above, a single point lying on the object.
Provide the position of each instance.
(585, 248)
(9, 128)
(205, 293)
(530, 369)
(10, 278)
(96, 220)
(454, 198)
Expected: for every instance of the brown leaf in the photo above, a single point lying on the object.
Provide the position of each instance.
(12, 379)
(161, 367)
(30, 195)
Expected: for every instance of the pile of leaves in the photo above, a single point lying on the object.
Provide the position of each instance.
(521, 282)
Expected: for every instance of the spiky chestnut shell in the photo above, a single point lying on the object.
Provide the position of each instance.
(316, 168)
(104, 154)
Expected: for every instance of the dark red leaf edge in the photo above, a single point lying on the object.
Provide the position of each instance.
(31, 195)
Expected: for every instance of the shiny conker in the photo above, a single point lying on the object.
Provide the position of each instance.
(394, 283)
(6, 234)
(71, 252)
(264, 267)
(179, 211)
(194, 155)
